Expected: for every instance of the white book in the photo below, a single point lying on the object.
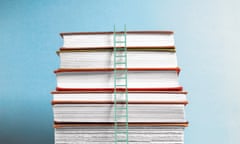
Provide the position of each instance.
(105, 59)
(170, 113)
(105, 135)
(151, 78)
(137, 97)
(105, 39)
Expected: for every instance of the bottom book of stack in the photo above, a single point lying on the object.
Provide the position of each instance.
(104, 134)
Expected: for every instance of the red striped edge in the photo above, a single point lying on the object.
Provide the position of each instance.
(111, 32)
(131, 124)
(177, 69)
(111, 47)
(112, 102)
(86, 92)
(120, 89)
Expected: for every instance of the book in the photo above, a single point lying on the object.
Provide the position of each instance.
(105, 58)
(102, 113)
(144, 39)
(138, 78)
(104, 134)
(108, 97)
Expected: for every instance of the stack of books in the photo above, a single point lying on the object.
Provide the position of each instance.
(83, 103)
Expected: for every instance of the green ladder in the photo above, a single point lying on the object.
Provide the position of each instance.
(120, 87)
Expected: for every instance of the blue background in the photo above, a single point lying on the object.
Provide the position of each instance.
(207, 42)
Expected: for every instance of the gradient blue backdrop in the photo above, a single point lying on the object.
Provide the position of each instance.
(208, 49)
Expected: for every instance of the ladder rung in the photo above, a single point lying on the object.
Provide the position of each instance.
(121, 116)
(121, 101)
(121, 132)
(121, 85)
(122, 140)
(120, 41)
(120, 56)
(121, 78)
(121, 95)
(119, 34)
(120, 62)
(121, 128)
(121, 74)
(123, 108)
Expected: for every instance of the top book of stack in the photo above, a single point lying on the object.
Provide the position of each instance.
(135, 39)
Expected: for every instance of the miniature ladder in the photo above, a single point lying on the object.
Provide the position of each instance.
(120, 87)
